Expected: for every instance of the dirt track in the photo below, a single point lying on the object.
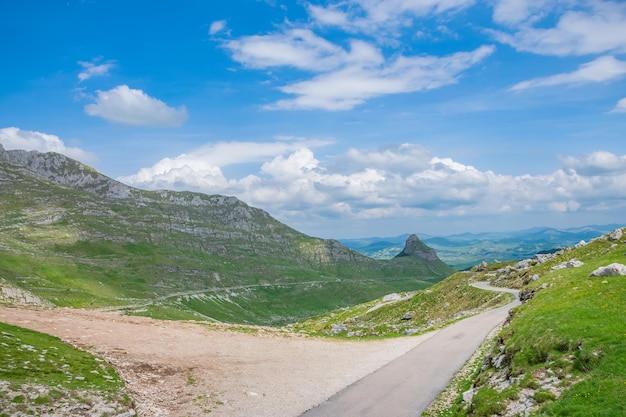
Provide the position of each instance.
(188, 369)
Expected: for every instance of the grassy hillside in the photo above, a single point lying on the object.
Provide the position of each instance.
(40, 375)
(563, 353)
(96, 243)
(409, 313)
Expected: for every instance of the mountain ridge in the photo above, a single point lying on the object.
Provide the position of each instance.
(465, 250)
(178, 254)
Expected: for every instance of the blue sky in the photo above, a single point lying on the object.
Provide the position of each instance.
(347, 118)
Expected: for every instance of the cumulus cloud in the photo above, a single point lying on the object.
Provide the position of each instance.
(293, 182)
(94, 69)
(15, 138)
(204, 165)
(599, 163)
(606, 68)
(587, 27)
(134, 107)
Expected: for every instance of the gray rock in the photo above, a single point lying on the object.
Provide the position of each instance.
(338, 328)
(616, 235)
(392, 297)
(609, 270)
(408, 316)
(572, 263)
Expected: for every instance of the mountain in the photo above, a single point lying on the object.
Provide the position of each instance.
(71, 236)
(462, 251)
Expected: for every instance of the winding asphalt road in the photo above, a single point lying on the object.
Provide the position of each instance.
(407, 385)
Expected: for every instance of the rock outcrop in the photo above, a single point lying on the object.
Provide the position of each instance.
(415, 247)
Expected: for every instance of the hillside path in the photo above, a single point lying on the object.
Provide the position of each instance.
(406, 386)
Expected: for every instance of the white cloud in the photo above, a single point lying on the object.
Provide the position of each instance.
(298, 48)
(353, 84)
(399, 181)
(94, 69)
(381, 17)
(594, 27)
(205, 164)
(605, 68)
(599, 163)
(134, 107)
(217, 26)
(14, 138)
(620, 107)
(514, 12)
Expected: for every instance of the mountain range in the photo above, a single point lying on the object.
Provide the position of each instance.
(462, 251)
(71, 236)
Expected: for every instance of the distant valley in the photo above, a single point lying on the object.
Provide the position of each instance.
(462, 251)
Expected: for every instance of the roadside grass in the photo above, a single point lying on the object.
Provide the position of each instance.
(413, 313)
(39, 373)
(565, 349)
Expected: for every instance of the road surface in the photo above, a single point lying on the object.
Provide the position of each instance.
(406, 386)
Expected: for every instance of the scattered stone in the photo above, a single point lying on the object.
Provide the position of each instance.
(408, 316)
(572, 263)
(482, 266)
(609, 270)
(526, 294)
(338, 328)
(580, 244)
(615, 235)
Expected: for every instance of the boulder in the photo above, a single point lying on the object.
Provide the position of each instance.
(392, 297)
(338, 328)
(572, 263)
(609, 270)
(408, 316)
(615, 235)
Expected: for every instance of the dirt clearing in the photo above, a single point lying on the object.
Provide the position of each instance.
(193, 369)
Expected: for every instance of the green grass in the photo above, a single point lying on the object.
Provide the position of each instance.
(439, 305)
(574, 329)
(38, 371)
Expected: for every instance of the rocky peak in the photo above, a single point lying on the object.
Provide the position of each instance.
(415, 247)
(66, 171)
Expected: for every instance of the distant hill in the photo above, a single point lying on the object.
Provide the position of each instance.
(462, 251)
(71, 236)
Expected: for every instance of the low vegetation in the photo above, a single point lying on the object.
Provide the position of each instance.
(409, 313)
(563, 352)
(40, 375)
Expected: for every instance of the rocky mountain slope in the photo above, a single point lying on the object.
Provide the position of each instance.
(71, 236)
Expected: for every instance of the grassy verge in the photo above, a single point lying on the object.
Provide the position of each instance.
(40, 375)
(411, 313)
(564, 351)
